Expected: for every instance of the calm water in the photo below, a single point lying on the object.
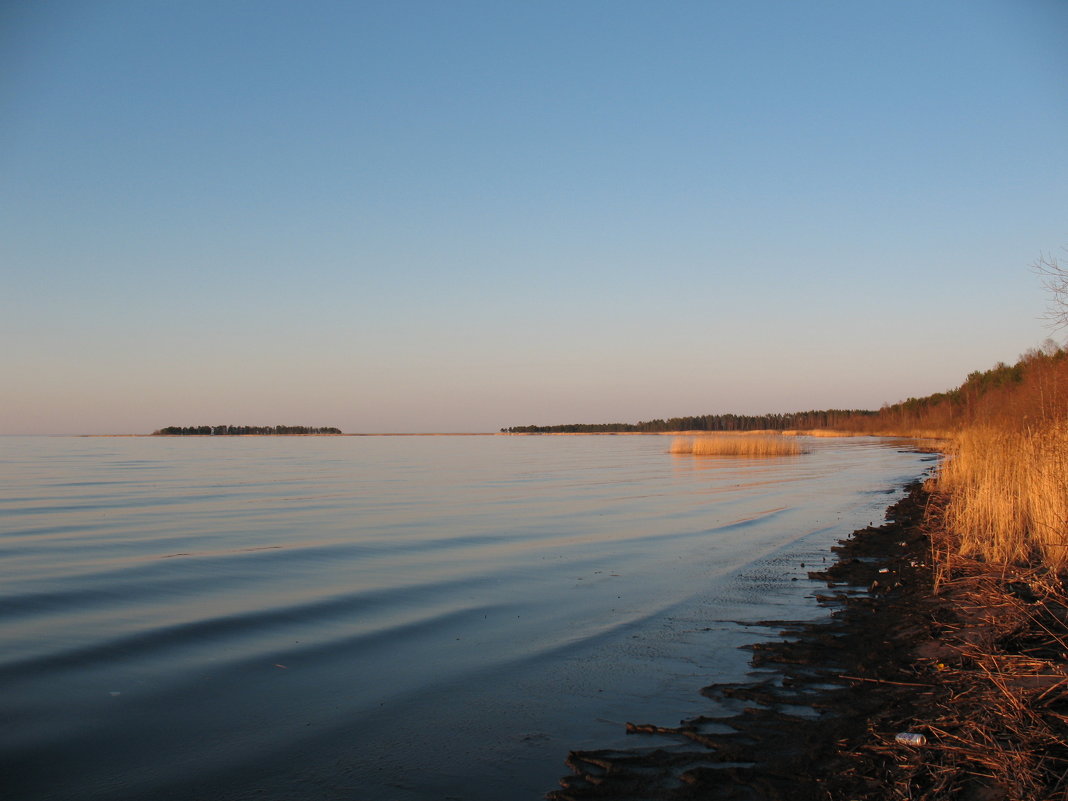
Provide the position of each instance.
(386, 618)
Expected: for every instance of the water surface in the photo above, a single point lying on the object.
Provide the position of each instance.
(386, 617)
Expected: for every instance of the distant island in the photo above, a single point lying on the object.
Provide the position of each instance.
(241, 431)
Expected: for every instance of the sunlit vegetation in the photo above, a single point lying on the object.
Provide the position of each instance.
(755, 445)
(818, 432)
(232, 431)
(1008, 493)
(1005, 481)
(1012, 397)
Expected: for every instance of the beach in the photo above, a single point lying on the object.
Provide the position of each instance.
(932, 678)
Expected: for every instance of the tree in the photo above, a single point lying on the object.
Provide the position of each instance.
(1054, 275)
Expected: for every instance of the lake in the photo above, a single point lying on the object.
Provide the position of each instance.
(313, 618)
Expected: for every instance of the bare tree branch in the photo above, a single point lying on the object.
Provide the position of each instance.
(1054, 274)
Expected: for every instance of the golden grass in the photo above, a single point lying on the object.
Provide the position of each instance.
(915, 432)
(756, 445)
(1008, 494)
(820, 432)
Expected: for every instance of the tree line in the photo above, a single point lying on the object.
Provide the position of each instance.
(826, 418)
(231, 431)
(1033, 391)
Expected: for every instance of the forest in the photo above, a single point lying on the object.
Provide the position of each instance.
(1016, 395)
(1030, 393)
(240, 431)
(828, 418)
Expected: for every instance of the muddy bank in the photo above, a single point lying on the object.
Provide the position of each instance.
(971, 658)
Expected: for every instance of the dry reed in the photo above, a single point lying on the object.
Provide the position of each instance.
(1008, 494)
(759, 445)
(820, 432)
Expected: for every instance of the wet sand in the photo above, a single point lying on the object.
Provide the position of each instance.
(978, 668)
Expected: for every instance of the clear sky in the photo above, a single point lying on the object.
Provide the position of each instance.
(458, 216)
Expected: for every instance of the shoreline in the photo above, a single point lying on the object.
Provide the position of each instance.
(968, 655)
(685, 433)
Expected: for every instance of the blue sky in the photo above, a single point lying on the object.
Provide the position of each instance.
(458, 216)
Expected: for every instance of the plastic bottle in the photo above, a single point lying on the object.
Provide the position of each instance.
(910, 738)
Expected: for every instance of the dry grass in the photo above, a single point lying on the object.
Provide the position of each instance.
(828, 433)
(1008, 494)
(755, 445)
(819, 432)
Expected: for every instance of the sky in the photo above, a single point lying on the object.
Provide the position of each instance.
(456, 216)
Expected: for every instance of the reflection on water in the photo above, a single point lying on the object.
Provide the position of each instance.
(395, 618)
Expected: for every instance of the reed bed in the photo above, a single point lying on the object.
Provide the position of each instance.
(754, 445)
(820, 432)
(1008, 494)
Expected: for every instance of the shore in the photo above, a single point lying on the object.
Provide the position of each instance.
(919, 641)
